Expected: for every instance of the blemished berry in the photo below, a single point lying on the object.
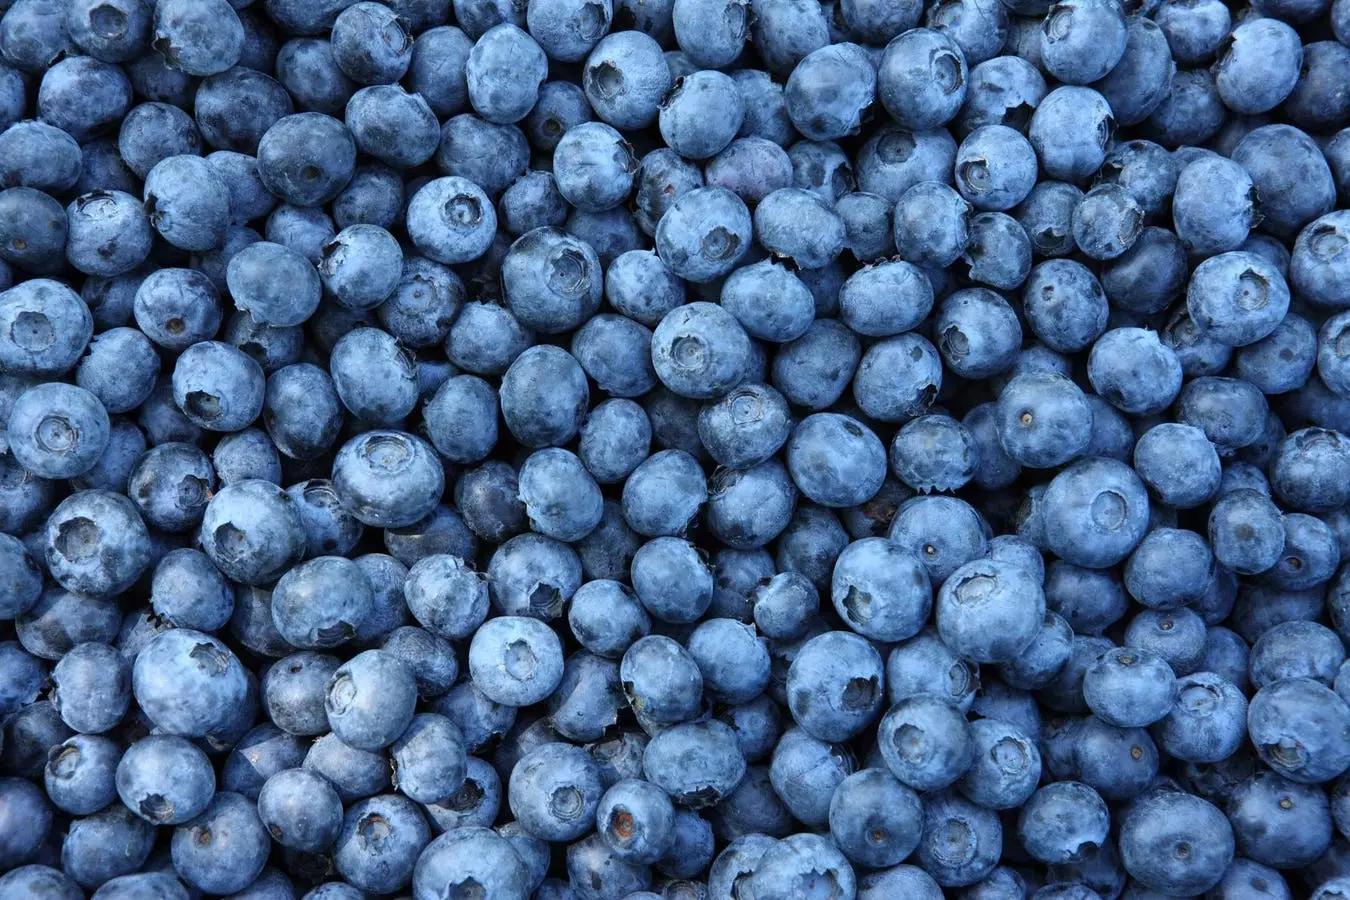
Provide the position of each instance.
(654, 449)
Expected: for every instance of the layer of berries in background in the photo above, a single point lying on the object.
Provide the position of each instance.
(674, 449)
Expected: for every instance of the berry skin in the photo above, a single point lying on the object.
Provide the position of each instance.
(644, 449)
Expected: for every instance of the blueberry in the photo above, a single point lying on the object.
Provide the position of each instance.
(1004, 90)
(798, 864)
(1311, 553)
(1249, 87)
(1139, 83)
(187, 202)
(754, 167)
(113, 32)
(503, 73)
(22, 583)
(1279, 821)
(1096, 512)
(594, 167)
(814, 370)
(625, 78)
(1172, 840)
(979, 31)
(302, 411)
(1070, 130)
(712, 32)
(51, 628)
(472, 857)
(486, 339)
(1169, 568)
(1319, 658)
(817, 106)
(200, 39)
(849, 473)
(1313, 267)
(1214, 207)
(82, 96)
(700, 350)
(989, 611)
(80, 774)
(978, 838)
(111, 300)
(187, 682)
(999, 251)
(165, 780)
(361, 266)
(300, 809)
(1300, 454)
(320, 603)
(1208, 721)
(555, 792)
(92, 688)
(386, 863)
(224, 848)
(1245, 532)
(252, 531)
(587, 702)
(328, 526)
(835, 685)
(374, 196)
(637, 820)
(1082, 41)
(1193, 30)
(451, 220)
(694, 786)
(1294, 184)
(671, 580)
(517, 661)
(293, 692)
(84, 855)
(218, 387)
(886, 299)
(922, 79)
(58, 430)
(1063, 822)
(306, 159)
(749, 508)
(1006, 767)
(568, 31)
(561, 105)
(1279, 719)
(533, 575)
(35, 231)
(561, 499)
(978, 333)
(661, 680)
(176, 308)
(96, 543)
(304, 229)
(785, 216)
(1043, 419)
(544, 396)
(926, 742)
(388, 478)
(995, 168)
(704, 235)
(770, 302)
(532, 201)
(1047, 217)
(552, 280)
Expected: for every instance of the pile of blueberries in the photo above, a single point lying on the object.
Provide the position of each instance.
(674, 449)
